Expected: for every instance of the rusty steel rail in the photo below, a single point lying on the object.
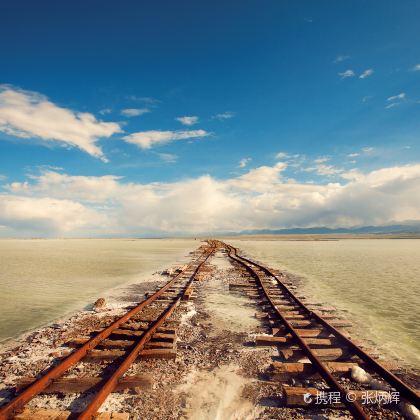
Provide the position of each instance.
(93, 407)
(354, 407)
(405, 391)
(17, 403)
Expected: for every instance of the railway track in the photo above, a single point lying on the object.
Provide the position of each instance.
(137, 334)
(312, 347)
(317, 356)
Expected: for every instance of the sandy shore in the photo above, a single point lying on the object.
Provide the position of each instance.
(218, 372)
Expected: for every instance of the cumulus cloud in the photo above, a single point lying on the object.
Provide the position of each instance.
(188, 120)
(282, 155)
(45, 216)
(324, 170)
(262, 198)
(366, 74)
(134, 112)
(148, 139)
(416, 67)
(31, 115)
(322, 159)
(259, 179)
(295, 161)
(224, 116)
(341, 58)
(244, 162)
(83, 188)
(347, 73)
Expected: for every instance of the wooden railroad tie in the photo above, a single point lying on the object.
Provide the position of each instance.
(47, 414)
(282, 371)
(304, 332)
(124, 344)
(310, 323)
(329, 353)
(97, 355)
(269, 340)
(235, 286)
(296, 315)
(188, 293)
(137, 327)
(83, 384)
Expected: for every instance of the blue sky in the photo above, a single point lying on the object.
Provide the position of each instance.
(324, 90)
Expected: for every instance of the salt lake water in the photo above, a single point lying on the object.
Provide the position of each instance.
(374, 281)
(377, 281)
(42, 280)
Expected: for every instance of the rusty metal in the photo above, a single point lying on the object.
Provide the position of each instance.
(17, 403)
(354, 407)
(111, 383)
(404, 390)
(255, 269)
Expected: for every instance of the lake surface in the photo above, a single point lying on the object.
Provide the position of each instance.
(376, 280)
(41, 280)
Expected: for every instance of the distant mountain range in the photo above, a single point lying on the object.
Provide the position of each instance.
(390, 229)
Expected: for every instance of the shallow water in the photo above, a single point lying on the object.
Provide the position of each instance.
(41, 280)
(375, 280)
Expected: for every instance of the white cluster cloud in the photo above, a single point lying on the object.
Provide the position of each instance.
(364, 151)
(324, 170)
(42, 216)
(366, 74)
(55, 203)
(224, 116)
(244, 162)
(347, 73)
(396, 97)
(351, 73)
(28, 114)
(148, 139)
(395, 100)
(134, 112)
(322, 159)
(188, 120)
